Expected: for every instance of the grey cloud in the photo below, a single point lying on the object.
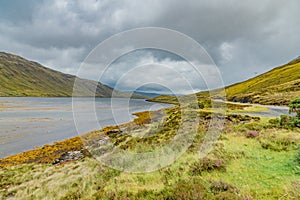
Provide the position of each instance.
(141, 68)
(66, 60)
(243, 37)
(78, 23)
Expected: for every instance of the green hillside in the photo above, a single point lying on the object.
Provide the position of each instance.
(277, 87)
(21, 77)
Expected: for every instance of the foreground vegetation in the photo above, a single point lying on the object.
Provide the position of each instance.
(254, 158)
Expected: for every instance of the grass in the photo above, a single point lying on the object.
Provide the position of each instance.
(248, 109)
(238, 168)
(165, 99)
(237, 108)
(277, 87)
(260, 173)
(55, 182)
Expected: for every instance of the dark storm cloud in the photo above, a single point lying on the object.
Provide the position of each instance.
(243, 37)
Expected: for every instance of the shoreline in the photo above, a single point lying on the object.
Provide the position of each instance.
(20, 135)
(50, 153)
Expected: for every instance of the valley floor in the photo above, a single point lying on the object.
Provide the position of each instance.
(253, 159)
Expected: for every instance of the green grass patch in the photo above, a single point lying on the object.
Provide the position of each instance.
(239, 167)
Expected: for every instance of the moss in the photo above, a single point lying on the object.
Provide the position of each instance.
(45, 154)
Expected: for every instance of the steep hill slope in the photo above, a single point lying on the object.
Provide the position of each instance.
(277, 87)
(21, 77)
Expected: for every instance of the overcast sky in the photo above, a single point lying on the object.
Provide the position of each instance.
(244, 38)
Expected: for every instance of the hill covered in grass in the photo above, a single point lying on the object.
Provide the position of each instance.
(277, 87)
(21, 77)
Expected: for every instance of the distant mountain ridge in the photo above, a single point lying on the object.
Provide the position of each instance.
(21, 77)
(147, 94)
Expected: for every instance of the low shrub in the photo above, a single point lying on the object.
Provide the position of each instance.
(295, 122)
(283, 120)
(278, 141)
(199, 105)
(207, 164)
(226, 196)
(240, 118)
(295, 107)
(254, 126)
(289, 121)
(221, 186)
(196, 188)
(223, 190)
(252, 134)
(189, 189)
(292, 121)
(275, 121)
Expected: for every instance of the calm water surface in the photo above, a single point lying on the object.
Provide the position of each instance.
(26, 123)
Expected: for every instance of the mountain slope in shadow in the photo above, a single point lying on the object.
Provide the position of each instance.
(21, 77)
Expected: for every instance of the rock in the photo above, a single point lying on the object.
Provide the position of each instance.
(69, 156)
(103, 141)
(116, 131)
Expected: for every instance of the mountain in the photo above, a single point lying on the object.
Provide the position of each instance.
(276, 87)
(21, 77)
(147, 94)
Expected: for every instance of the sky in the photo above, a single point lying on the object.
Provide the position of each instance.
(243, 38)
